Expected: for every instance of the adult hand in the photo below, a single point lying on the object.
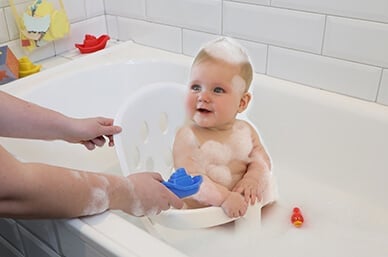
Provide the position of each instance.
(92, 132)
(149, 195)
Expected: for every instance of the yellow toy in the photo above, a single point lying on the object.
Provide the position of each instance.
(26, 67)
(41, 23)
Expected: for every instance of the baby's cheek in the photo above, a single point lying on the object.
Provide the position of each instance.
(190, 105)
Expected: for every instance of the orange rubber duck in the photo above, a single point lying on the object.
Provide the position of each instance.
(297, 217)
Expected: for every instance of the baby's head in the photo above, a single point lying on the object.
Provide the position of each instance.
(220, 77)
(229, 51)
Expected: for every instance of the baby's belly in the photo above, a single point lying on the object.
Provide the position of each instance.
(224, 175)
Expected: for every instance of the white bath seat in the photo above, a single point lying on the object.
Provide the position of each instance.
(150, 118)
(211, 216)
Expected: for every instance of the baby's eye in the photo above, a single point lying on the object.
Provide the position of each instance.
(219, 90)
(195, 88)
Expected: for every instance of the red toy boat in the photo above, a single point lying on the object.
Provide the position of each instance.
(92, 44)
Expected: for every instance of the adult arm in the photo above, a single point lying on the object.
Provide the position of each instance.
(23, 119)
(35, 190)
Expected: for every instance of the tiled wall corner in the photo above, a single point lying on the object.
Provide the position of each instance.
(112, 26)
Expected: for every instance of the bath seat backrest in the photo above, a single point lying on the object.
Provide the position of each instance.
(149, 119)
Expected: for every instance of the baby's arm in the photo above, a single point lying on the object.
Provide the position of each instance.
(214, 194)
(185, 151)
(257, 175)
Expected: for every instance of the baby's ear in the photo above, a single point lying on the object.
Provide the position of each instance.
(244, 101)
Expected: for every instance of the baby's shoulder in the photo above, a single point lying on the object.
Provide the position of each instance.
(243, 125)
(246, 128)
(185, 133)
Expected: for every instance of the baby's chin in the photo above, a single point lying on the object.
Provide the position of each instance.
(201, 120)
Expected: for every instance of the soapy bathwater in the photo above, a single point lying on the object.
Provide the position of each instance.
(336, 223)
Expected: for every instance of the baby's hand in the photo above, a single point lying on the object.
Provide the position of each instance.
(249, 188)
(234, 205)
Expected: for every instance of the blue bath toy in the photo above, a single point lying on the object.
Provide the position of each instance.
(182, 184)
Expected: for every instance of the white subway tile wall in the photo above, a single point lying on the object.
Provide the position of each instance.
(383, 92)
(349, 78)
(168, 37)
(374, 10)
(129, 9)
(335, 45)
(202, 15)
(359, 41)
(4, 36)
(274, 26)
(94, 8)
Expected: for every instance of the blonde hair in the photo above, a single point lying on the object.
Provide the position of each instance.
(230, 51)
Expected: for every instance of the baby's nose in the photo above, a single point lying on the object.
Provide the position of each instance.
(204, 96)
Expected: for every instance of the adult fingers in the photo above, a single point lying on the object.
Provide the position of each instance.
(98, 141)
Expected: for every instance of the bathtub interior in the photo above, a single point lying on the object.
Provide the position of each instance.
(329, 155)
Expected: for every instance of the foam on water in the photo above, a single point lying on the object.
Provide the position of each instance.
(336, 224)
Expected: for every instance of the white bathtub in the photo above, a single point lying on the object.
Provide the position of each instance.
(329, 153)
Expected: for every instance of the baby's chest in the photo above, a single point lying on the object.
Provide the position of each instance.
(223, 153)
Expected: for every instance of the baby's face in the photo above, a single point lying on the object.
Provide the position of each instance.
(215, 93)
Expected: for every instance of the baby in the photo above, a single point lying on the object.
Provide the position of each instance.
(226, 151)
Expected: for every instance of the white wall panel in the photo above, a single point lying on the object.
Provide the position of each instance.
(360, 41)
(151, 34)
(94, 8)
(203, 15)
(375, 10)
(127, 8)
(331, 74)
(383, 92)
(261, 2)
(293, 29)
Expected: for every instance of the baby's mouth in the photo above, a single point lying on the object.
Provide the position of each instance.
(203, 110)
